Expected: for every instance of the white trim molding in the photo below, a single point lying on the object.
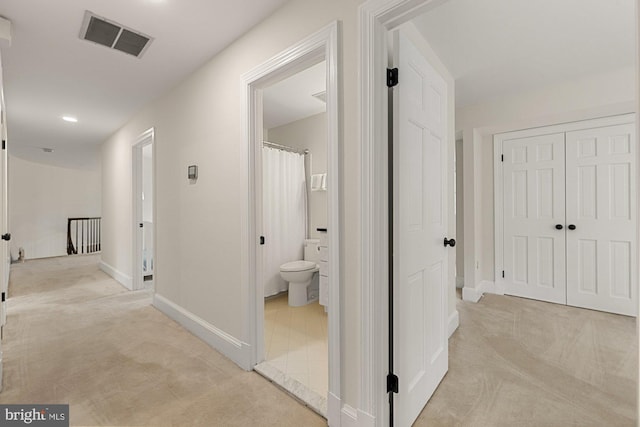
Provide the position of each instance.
(119, 276)
(322, 45)
(470, 294)
(454, 322)
(233, 348)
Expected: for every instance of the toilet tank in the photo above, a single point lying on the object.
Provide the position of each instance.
(312, 250)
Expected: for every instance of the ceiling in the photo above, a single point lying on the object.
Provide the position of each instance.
(50, 72)
(292, 98)
(498, 47)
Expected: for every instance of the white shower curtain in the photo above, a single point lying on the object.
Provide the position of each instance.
(284, 213)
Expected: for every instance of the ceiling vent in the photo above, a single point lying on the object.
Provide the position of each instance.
(113, 35)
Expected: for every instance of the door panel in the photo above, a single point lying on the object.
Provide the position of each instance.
(601, 200)
(534, 250)
(420, 225)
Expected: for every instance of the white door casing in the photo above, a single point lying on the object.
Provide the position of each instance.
(601, 204)
(534, 205)
(146, 138)
(419, 229)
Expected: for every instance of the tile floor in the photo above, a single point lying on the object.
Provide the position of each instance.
(296, 342)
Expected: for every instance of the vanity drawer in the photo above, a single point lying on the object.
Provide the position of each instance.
(324, 291)
(324, 268)
(324, 253)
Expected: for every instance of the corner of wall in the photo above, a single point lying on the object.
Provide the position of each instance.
(119, 277)
(236, 350)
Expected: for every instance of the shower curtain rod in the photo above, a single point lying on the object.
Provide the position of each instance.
(284, 148)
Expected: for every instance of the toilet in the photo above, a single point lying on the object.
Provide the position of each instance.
(303, 275)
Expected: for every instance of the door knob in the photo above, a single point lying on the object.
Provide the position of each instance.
(559, 227)
(6, 236)
(571, 227)
(141, 225)
(449, 242)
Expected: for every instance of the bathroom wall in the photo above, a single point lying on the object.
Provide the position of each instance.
(42, 197)
(309, 133)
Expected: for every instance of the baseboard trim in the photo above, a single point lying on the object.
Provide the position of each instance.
(333, 410)
(474, 294)
(119, 277)
(454, 322)
(348, 417)
(236, 350)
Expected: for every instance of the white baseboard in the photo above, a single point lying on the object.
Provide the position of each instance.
(236, 350)
(474, 294)
(348, 417)
(471, 294)
(333, 410)
(120, 277)
(459, 282)
(454, 322)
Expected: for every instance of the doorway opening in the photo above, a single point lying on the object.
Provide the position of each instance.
(293, 221)
(497, 90)
(143, 212)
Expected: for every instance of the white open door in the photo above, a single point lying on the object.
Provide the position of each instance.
(601, 219)
(420, 214)
(534, 217)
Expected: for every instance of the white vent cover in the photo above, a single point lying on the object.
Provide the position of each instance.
(108, 33)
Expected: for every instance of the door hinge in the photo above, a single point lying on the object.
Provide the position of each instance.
(502, 157)
(4, 297)
(392, 77)
(4, 144)
(392, 383)
(503, 274)
(262, 240)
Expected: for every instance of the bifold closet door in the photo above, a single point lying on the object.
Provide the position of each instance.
(534, 217)
(601, 219)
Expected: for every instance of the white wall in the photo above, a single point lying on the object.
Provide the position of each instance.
(41, 198)
(580, 99)
(309, 133)
(198, 259)
(459, 212)
(147, 183)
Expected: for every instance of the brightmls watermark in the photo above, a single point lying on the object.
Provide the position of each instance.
(34, 415)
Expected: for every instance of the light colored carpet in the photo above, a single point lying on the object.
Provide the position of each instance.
(522, 363)
(76, 336)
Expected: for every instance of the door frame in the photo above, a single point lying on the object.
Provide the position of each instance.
(376, 18)
(498, 175)
(322, 45)
(146, 138)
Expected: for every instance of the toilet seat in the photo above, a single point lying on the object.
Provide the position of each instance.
(298, 266)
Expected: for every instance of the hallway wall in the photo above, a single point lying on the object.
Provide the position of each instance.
(41, 198)
(198, 260)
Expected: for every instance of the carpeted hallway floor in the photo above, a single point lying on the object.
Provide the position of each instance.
(76, 336)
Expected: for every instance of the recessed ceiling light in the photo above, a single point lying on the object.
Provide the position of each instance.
(69, 119)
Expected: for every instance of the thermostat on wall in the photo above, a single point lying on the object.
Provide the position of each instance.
(192, 172)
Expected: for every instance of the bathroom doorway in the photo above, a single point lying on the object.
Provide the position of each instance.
(143, 212)
(294, 219)
(294, 212)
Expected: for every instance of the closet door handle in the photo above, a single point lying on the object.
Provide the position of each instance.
(571, 227)
(449, 242)
(559, 227)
